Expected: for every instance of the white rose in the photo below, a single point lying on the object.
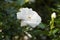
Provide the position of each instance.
(29, 17)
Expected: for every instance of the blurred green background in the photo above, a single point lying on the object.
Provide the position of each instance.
(10, 27)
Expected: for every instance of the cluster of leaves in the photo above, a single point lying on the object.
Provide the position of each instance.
(10, 26)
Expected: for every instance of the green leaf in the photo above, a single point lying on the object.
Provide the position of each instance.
(53, 32)
(41, 25)
(56, 30)
(21, 2)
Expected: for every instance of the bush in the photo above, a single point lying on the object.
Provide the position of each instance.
(10, 28)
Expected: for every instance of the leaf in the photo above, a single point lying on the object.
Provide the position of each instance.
(21, 2)
(53, 32)
(41, 25)
(56, 30)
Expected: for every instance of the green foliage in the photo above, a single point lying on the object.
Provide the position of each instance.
(10, 26)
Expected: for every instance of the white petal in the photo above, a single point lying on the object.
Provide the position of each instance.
(53, 15)
(23, 23)
(18, 15)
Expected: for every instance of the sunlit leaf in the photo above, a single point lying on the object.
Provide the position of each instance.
(21, 2)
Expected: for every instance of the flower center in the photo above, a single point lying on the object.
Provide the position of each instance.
(29, 17)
